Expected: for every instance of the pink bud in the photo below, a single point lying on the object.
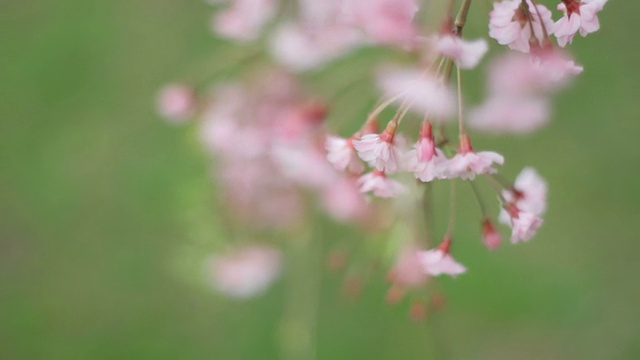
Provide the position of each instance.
(490, 237)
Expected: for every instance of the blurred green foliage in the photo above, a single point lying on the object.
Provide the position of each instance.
(100, 203)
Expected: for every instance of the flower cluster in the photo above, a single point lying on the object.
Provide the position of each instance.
(277, 156)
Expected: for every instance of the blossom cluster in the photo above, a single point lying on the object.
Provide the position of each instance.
(276, 158)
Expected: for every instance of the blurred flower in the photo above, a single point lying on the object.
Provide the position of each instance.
(176, 102)
(466, 54)
(243, 20)
(378, 183)
(419, 90)
(246, 271)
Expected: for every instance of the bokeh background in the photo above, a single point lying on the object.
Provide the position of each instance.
(101, 200)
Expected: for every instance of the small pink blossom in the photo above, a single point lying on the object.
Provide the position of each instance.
(466, 164)
(344, 201)
(510, 114)
(466, 54)
(341, 153)
(245, 272)
(539, 73)
(490, 236)
(529, 192)
(438, 261)
(384, 21)
(378, 183)
(425, 160)
(579, 15)
(304, 164)
(408, 270)
(380, 151)
(421, 91)
(301, 48)
(509, 23)
(524, 226)
(176, 102)
(243, 20)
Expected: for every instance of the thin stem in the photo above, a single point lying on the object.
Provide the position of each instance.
(452, 207)
(546, 41)
(481, 203)
(460, 118)
(496, 186)
(427, 207)
(300, 316)
(461, 18)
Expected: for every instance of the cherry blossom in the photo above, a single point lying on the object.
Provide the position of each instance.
(383, 21)
(524, 226)
(529, 192)
(408, 270)
(344, 201)
(510, 23)
(510, 114)
(341, 153)
(378, 183)
(579, 15)
(176, 102)
(467, 163)
(244, 272)
(243, 20)
(301, 48)
(425, 160)
(420, 90)
(380, 150)
(539, 73)
(490, 236)
(466, 54)
(439, 261)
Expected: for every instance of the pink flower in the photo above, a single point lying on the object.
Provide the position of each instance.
(341, 153)
(466, 54)
(490, 236)
(545, 71)
(378, 183)
(579, 15)
(510, 114)
(438, 261)
(529, 192)
(421, 91)
(408, 270)
(384, 21)
(380, 151)
(302, 48)
(304, 164)
(176, 102)
(426, 161)
(524, 225)
(466, 164)
(344, 201)
(244, 272)
(509, 23)
(244, 19)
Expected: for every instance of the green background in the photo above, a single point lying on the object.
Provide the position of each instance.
(103, 205)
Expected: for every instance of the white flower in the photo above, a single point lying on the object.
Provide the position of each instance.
(469, 164)
(466, 54)
(245, 272)
(378, 183)
(436, 262)
(379, 151)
